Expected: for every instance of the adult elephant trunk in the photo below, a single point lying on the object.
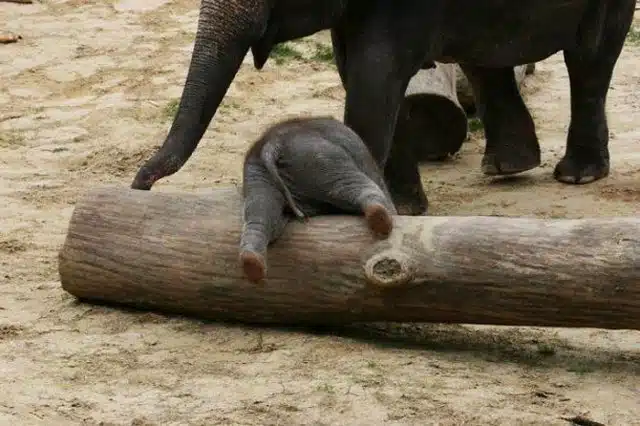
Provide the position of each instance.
(226, 30)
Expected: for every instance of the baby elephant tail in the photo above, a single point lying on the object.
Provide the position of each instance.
(269, 156)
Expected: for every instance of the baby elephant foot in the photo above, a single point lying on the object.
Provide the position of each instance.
(575, 170)
(253, 266)
(378, 219)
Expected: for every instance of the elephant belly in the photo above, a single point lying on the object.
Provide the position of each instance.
(497, 33)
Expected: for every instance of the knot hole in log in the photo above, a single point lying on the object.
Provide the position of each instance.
(388, 269)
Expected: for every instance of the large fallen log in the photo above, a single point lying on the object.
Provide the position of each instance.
(177, 253)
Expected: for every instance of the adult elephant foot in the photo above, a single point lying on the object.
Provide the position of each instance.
(513, 148)
(403, 181)
(581, 169)
(512, 144)
(409, 199)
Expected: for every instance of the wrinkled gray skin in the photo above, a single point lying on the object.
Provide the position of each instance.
(381, 44)
(307, 167)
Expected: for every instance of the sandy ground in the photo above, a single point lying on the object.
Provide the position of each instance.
(89, 93)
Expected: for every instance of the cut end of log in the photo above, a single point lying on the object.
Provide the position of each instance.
(253, 266)
(388, 270)
(435, 125)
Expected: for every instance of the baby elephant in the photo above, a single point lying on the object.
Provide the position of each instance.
(307, 167)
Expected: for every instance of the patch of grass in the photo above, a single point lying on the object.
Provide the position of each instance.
(12, 245)
(229, 105)
(283, 52)
(633, 36)
(546, 349)
(475, 125)
(580, 367)
(171, 108)
(323, 53)
(9, 139)
(326, 388)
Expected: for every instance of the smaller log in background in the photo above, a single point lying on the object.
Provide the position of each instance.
(433, 118)
(178, 253)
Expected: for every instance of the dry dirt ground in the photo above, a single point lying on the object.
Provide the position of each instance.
(89, 92)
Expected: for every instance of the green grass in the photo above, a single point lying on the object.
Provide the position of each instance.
(475, 125)
(286, 52)
(283, 52)
(323, 53)
(10, 139)
(171, 108)
(580, 367)
(633, 36)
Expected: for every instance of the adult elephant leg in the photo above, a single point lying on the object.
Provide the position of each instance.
(339, 53)
(376, 72)
(226, 29)
(587, 153)
(402, 175)
(511, 141)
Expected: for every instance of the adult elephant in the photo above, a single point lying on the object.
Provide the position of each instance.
(381, 44)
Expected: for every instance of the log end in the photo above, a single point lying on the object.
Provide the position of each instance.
(388, 269)
(435, 126)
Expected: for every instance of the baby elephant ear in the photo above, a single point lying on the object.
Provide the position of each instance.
(261, 49)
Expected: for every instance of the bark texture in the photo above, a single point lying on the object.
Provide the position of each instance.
(178, 253)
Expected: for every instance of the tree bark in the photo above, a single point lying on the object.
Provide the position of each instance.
(177, 253)
(465, 91)
(431, 119)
